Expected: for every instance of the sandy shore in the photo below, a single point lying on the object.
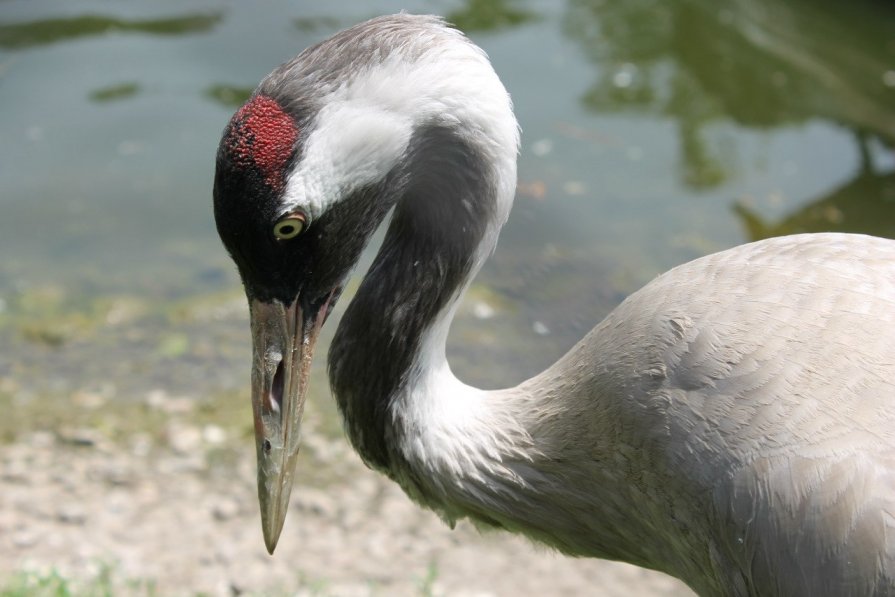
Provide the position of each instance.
(174, 515)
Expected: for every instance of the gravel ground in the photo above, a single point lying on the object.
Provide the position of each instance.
(171, 514)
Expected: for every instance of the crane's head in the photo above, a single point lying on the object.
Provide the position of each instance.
(292, 260)
(309, 167)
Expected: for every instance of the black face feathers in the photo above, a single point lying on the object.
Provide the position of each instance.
(258, 148)
(258, 144)
(311, 264)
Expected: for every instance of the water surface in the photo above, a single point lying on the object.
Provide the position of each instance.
(653, 132)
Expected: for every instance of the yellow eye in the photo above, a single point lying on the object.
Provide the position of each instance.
(289, 227)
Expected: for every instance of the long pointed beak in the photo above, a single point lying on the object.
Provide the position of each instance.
(283, 340)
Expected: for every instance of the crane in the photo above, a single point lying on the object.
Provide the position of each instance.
(732, 423)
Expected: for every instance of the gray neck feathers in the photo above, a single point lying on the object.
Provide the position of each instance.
(445, 201)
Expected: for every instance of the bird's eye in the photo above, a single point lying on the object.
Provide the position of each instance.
(290, 226)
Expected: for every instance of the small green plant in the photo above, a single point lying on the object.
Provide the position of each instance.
(427, 585)
(37, 584)
(52, 583)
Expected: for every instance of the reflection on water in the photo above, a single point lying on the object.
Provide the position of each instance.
(865, 204)
(490, 15)
(757, 63)
(15, 36)
(231, 96)
(115, 92)
(316, 24)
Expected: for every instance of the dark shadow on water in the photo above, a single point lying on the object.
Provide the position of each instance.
(18, 36)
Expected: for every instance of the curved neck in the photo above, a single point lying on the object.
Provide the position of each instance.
(391, 340)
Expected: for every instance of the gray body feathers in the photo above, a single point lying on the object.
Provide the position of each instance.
(732, 423)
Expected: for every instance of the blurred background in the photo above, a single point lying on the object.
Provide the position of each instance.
(654, 132)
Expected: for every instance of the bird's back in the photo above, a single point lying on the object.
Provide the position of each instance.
(757, 387)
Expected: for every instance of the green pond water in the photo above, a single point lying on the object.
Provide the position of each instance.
(653, 132)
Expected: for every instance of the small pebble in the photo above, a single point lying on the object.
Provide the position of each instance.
(71, 514)
(42, 439)
(225, 509)
(15, 471)
(313, 501)
(184, 439)
(82, 437)
(160, 400)
(212, 434)
(87, 399)
(118, 475)
(24, 539)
